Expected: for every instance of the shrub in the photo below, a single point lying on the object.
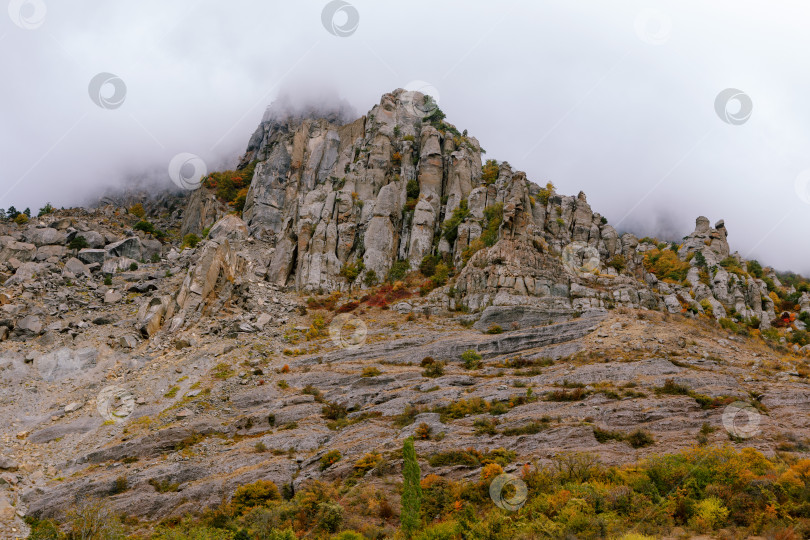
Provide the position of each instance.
(563, 395)
(471, 359)
(423, 432)
(133, 267)
(367, 463)
(471, 457)
(709, 514)
(640, 438)
(618, 263)
(78, 243)
(433, 370)
(120, 485)
(334, 411)
(531, 428)
(441, 275)
(163, 486)
(494, 217)
(489, 171)
(329, 459)
(371, 372)
(144, 226)
(545, 193)
(732, 266)
(450, 228)
(398, 271)
(231, 187)
(370, 279)
(259, 493)
(665, 265)
(137, 210)
(494, 329)
(428, 265)
(671, 388)
(191, 240)
(604, 435)
(92, 520)
(351, 270)
(47, 209)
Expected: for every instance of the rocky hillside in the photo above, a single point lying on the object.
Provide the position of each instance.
(383, 281)
(344, 205)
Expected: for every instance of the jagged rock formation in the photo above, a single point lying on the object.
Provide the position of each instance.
(401, 184)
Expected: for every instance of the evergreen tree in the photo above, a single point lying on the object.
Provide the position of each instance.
(27, 212)
(410, 518)
(2, 214)
(12, 213)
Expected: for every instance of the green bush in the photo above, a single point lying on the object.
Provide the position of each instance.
(433, 370)
(370, 279)
(471, 359)
(450, 228)
(78, 243)
(428, 265)
(640, 438)
(191, 240)
(351, 270)
(398, 271)
(494, 218)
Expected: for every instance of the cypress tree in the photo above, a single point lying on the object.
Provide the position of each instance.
(410, 518)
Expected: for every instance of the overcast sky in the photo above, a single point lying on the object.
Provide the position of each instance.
(617, 99)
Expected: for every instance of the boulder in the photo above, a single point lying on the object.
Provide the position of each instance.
(65, 362)
(8, 464)
(94, 239)
(45, 237)
(76, 267)
(130, 247)
(46, 252)
(12, 249)
(91, 256)
(117, 264)
(230, 227)
(25, 273)
(30, 325)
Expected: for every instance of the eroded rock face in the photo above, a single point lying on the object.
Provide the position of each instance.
(400, 184)
(325, 194)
